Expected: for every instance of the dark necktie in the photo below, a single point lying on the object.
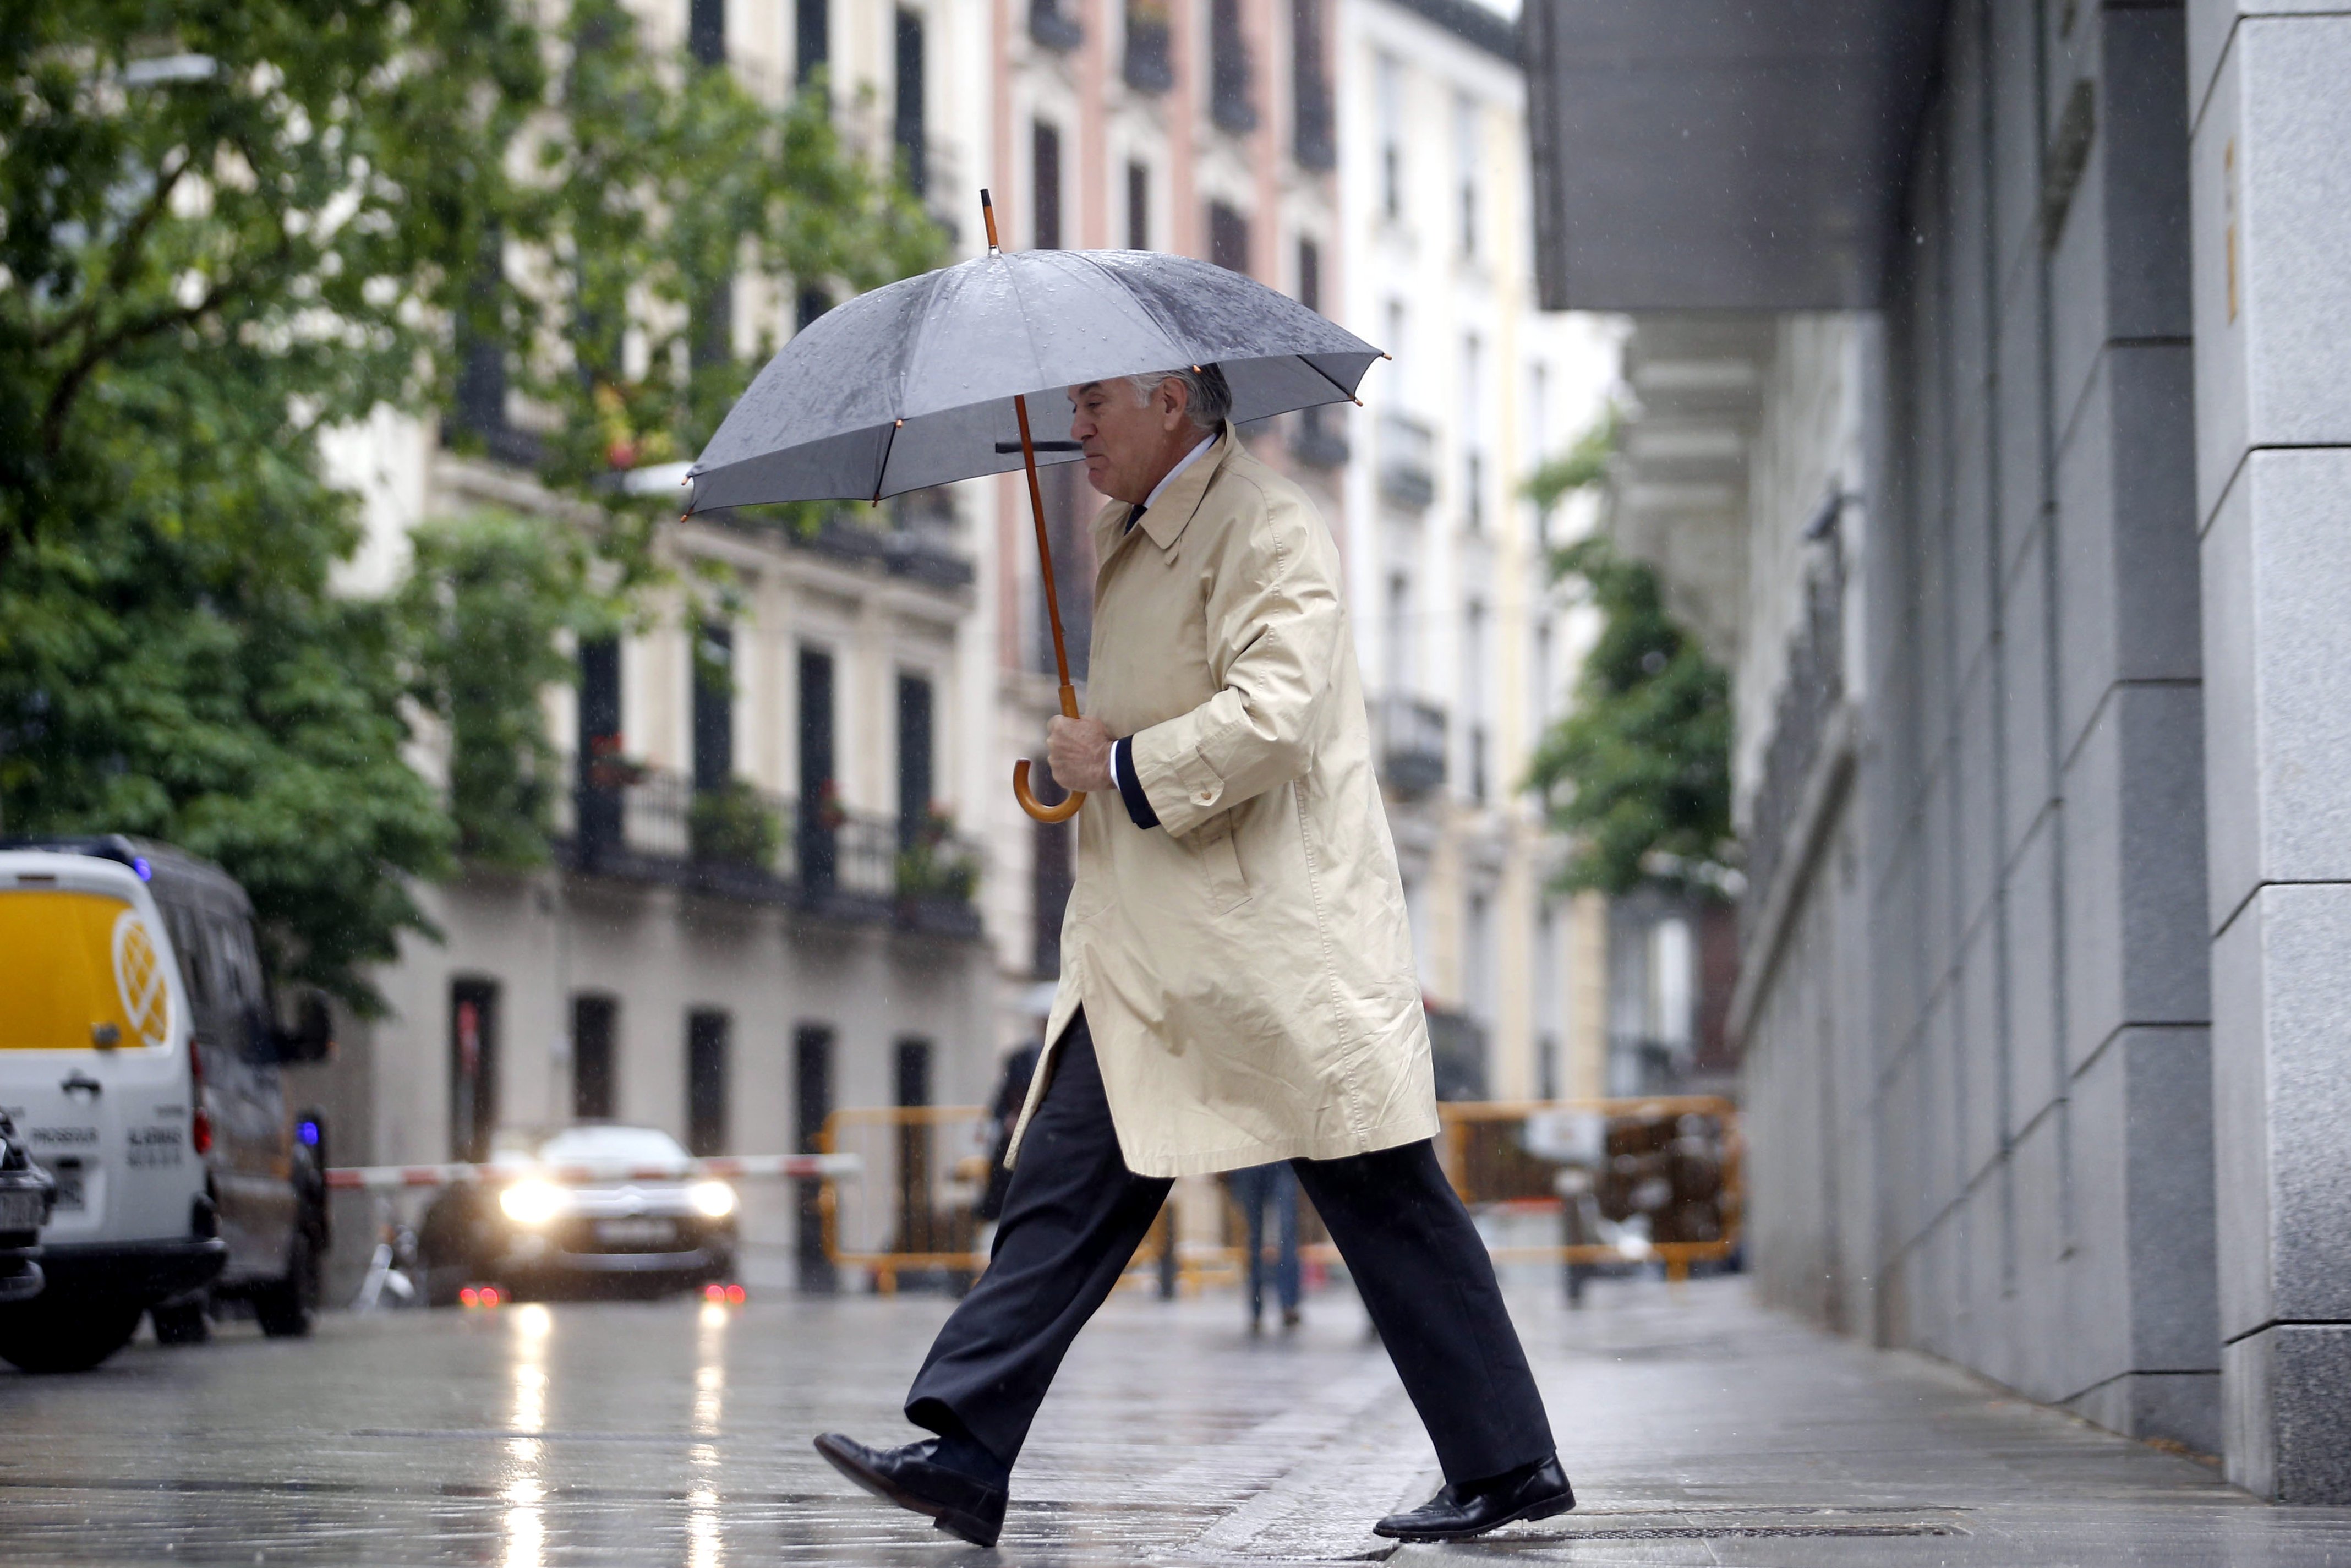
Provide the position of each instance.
(1134, 518)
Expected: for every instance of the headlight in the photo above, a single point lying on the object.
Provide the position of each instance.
(532, 1202)
(713, 1198)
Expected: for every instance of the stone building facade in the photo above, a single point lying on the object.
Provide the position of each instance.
(1985, 423)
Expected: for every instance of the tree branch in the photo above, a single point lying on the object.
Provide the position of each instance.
(126, 247)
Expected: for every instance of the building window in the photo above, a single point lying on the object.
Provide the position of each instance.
(596, 816)
(1478, 959)
(1138, 205)
(811, 38)
(1465, 151)
(595, 1058)
(1316, 140)
(706, 1030)
(1388, 92)
(811, 1106)
(1309, 275)
(473, 1068)
(913, 1082)
(1053, 27)
(1229, 237)
(705, 31)
(713, 705)
(911, 1076)
(908, 128)
(1228, 69)
(1399, 633)
(916, 787)
(820, 794)
(1045, 184)
(1538, 686)
(1546, 1002)
(1472, 403)
(1473, 694)
(1148, 65)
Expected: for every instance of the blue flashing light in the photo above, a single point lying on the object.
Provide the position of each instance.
(138, 864)
(307, 1131)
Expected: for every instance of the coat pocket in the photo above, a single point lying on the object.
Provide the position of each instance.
(1220, 863)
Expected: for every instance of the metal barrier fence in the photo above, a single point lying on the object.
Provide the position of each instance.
(923, 1170)
(1624, 1181)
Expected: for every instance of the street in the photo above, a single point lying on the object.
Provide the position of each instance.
(1698, 1428)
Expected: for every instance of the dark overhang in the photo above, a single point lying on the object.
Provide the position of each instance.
(1720, 154)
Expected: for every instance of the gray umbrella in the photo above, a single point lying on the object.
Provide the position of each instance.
(928, 380)
(912, 384)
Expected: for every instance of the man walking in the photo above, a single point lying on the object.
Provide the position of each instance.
(1237, 988)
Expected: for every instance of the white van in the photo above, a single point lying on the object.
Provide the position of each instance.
(138, 1058)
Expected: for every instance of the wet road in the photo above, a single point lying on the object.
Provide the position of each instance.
(1699, 1430)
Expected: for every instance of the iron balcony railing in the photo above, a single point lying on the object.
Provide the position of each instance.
(739, 841)
(1407, 461)
(1411, 739)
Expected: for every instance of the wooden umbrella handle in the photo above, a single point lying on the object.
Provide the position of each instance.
(1021, 791)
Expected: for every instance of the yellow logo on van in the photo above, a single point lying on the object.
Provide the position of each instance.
(139, 980)
(80, 971)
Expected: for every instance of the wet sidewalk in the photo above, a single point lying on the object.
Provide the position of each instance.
(1698, 1428)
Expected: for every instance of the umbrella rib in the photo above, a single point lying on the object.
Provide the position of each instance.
(1148, 306)
(1327, 376)
(922, 336)
(882, 474)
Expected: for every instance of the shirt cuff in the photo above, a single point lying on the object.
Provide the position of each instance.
(1121, 773)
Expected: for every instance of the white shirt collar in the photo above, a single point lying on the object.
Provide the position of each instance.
(1181, 464)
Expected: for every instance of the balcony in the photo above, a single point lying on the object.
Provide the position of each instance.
(1148, 66)
(1318, 440)
(1051, 28)
(739, 843)
(1407, 461)
(1410, 738)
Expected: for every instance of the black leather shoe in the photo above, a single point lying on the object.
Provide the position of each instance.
(949, 1498)
(1457, 1513)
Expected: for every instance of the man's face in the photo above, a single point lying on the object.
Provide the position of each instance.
(1130, 444)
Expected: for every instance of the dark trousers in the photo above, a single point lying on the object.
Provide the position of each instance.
(1075, 1214)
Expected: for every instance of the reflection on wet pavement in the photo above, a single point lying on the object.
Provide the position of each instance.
(1699, 1430)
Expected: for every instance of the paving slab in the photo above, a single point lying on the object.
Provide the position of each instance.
(1699, 1429)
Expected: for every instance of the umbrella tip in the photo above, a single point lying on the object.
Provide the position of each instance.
(987, 211)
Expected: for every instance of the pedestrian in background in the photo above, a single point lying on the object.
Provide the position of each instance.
(1237, 985)
(1254, 1186)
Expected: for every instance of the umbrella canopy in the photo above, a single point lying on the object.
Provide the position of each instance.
(912, 384)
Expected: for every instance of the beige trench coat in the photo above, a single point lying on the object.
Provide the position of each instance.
(1246, 967)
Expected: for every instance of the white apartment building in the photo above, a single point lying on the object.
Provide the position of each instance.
(1467, 649)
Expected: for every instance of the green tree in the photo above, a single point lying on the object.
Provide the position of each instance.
(1637, 773)
(482, 611)
(227, 228)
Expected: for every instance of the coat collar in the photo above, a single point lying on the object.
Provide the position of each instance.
(1172, 513)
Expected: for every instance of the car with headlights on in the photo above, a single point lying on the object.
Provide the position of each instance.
(597, 1209)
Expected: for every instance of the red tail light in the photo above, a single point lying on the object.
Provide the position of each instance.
(200, 1125)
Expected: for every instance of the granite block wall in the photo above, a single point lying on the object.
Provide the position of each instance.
(2272, 293)
(2028, 810)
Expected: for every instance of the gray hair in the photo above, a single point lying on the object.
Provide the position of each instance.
(1209, 397)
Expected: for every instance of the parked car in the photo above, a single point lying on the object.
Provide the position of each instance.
(27, 1195)
(139, 1051)
(595, 1209)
